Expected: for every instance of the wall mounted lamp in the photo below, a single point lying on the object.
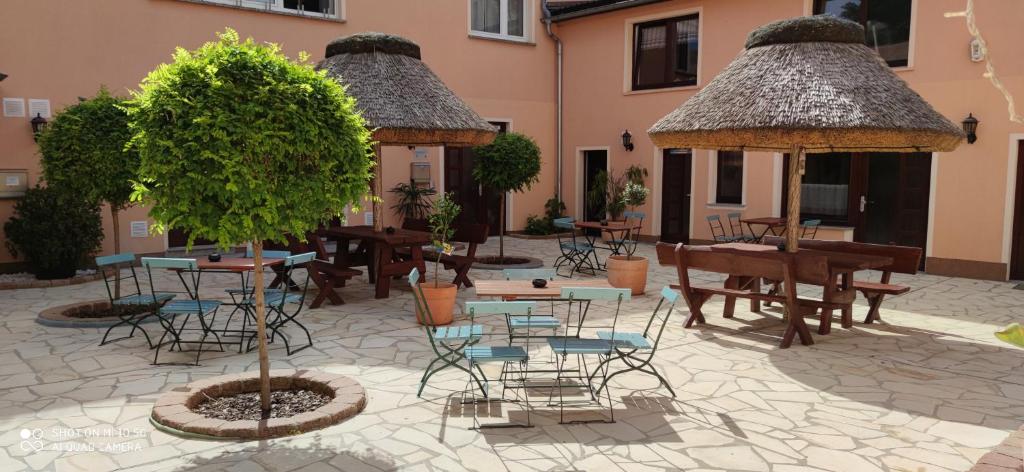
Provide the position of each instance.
(970, 126)
(627, 141)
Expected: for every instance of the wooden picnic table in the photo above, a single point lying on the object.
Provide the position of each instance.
(380, 247)
(516, 289)
(841, 266)
(770, 223)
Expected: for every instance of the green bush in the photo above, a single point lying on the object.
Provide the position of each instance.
(55, 229)
(538, 226)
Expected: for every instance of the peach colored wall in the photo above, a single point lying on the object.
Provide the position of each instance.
(970, 220)
(62, 50)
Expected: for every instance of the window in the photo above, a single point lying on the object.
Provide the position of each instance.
(498, 18)
(729, 183)
(886, 24)
(665, 53)
(311, 8)
(825, 188)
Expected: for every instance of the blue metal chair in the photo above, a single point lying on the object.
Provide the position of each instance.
(447, 342)
(174, 310)
(581, 347)
(809, 229)
(637, 350)
(508, 355)
(278, 303)
(631, 239)
(130, 295)
(534, 321)
(718, 230)
(574, 253)
(736, 227)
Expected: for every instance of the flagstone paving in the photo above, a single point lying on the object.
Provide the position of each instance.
(928, 390)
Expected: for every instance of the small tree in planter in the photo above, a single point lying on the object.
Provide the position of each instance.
(84, 149)
(239, 143)
(55, 229)
(440, 299)
(630, 271)
(509, 164)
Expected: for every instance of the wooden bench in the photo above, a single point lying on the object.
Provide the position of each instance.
(325, 275)
(472, 234)
(906, 260)
(749, 266)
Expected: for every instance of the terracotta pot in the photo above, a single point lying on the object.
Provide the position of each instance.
(631, 273)
(440, 301)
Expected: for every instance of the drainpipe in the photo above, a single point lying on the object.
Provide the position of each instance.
(558, 119)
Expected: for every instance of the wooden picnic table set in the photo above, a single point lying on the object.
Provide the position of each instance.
(830, 265)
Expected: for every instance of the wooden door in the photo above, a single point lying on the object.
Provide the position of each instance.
(594, 162)
(894, 209)
(1017, 243)
(177, 238)
(675, 195)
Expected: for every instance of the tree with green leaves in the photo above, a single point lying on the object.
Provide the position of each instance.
(509, 164)
(84, 150)
(240, 143)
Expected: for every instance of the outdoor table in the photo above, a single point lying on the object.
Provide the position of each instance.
(381, 246)
(770, 223)
(841, 265)
(524, 289)
(613, 228)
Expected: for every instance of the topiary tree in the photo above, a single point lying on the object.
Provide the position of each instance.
(84, 149)
(239, 143)
(509, 164)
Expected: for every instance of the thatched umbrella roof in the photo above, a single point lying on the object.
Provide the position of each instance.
(812, 82)
(806, 84)
(400, 97)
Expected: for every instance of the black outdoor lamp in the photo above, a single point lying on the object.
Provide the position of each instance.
(38, 125)
(627, 140)
(970, 125)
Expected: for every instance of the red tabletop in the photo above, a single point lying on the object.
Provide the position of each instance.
(611, 226)
(766, 220)
(235, 264)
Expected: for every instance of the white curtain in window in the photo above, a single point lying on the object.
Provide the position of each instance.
(515, 17)
(652, 37)
(486, 16)
(824, 199)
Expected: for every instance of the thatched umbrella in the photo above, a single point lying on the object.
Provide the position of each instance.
(400, 97)
(807, 85)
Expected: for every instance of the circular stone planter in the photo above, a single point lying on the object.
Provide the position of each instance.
(35, 283)
(531, 263)
(173, 411)
(62, 316)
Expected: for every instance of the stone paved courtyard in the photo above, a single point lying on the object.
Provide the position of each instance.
(930, 389)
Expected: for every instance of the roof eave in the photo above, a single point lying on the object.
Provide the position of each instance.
(603, 8)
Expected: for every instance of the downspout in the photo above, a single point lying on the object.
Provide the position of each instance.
(558, 112)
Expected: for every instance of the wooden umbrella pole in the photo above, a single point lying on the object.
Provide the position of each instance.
(378, 190)
(796, 172)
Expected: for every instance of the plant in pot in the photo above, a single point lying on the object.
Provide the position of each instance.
(55, 229)
(630, 271)
(440, 296)
(240, 143)
(413, 201)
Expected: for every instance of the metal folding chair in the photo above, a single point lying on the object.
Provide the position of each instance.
(631, 239)
(574, 253)
(809, 229)
(112, 270)
(478, 354)
(525, 323)
(718, 230)
(736, 227)
(636, 350)
(447, 342)
(285, 306)
(581, 347)
(240, 295)
(174, 310)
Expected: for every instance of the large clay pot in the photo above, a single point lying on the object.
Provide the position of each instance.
(440, 301)
(628, 273)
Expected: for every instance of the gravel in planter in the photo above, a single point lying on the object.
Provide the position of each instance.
(246, 406)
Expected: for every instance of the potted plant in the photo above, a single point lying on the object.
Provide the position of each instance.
(440, 296)
(630, 271)
(413, 201)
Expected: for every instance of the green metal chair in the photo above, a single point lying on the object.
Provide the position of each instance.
(280, 302)
(809, 229)
(636, 350)
(718, 230)
(184, 310)
(447, 342)
(112, 268)
(581, 347)
(478, 354)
